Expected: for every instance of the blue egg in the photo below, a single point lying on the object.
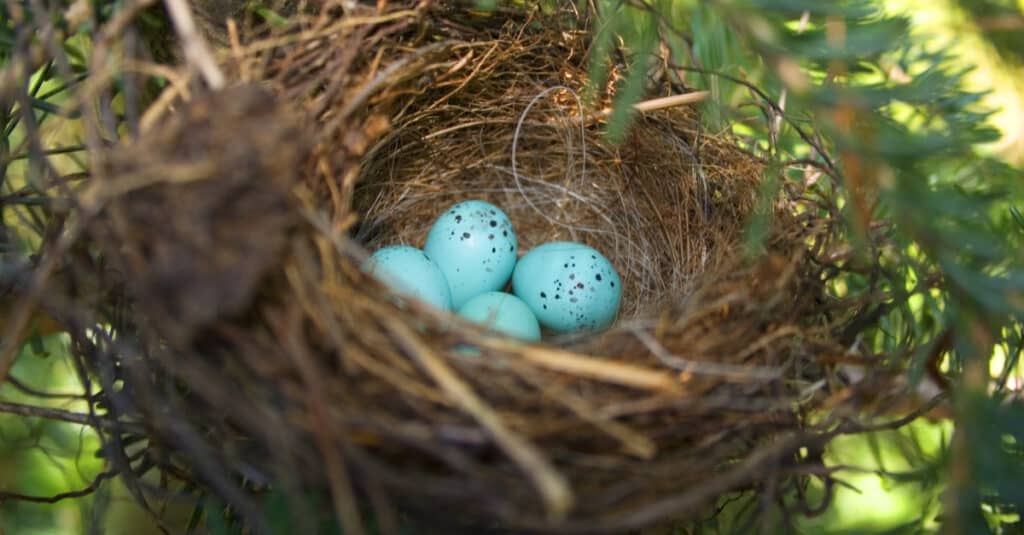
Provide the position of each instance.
(475, 247)
(504, 313)
(569, 286)
(410, 272)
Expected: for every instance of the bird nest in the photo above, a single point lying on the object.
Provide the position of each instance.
(250, 351)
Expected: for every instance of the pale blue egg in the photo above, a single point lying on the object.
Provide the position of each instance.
(475, 247)
(569, 286)
(504, 313)
(409, 271)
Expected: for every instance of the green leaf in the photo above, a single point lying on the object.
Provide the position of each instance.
(601, 48)
(487, 5)
(276, 19)
(632, 89)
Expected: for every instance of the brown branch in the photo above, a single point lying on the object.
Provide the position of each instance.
(89, 489)
(552, 484)
(830, 164)
(197, 50)
(61, 415)
(338, 477)
(851, 427)
(736, 478)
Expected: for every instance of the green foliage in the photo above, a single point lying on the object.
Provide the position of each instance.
(1003, 24)
(889, 121)
(625, 25)
(41, 457)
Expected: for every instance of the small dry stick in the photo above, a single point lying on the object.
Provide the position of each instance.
(552, 485)
(656, 104)
(197, 51)
(60, 415)
(608, 371)
(670, 101)
(720, 369)
(632, 441)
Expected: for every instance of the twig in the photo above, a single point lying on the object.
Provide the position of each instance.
(61, 415)
(721, 369)
(157, 109)
(1006, 22)
(806, 137)
(655, 104)
(734, 478)
(197, 50)
(850, 427)
(593, 368)
(24, 309)
(359, 98)
(632, 441)
(346, 23)
(672, 101)
(91, 488)
(552, 485)
(338, 477)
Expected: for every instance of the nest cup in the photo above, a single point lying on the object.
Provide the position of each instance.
(651, 204)
(311, 375)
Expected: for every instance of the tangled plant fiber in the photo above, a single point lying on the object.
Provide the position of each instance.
(255, 353)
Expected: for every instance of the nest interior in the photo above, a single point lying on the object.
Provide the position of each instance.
(666, 205)
(350, 131)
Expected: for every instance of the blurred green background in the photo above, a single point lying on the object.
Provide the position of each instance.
(42, 457)
(894, 482)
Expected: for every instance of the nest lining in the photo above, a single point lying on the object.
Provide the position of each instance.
(650, 205)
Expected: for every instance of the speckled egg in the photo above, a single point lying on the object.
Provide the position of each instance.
(409, 271)
(504, 313)
(569, 286)
(475, 247)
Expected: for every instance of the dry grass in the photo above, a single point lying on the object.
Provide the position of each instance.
(257, 351)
